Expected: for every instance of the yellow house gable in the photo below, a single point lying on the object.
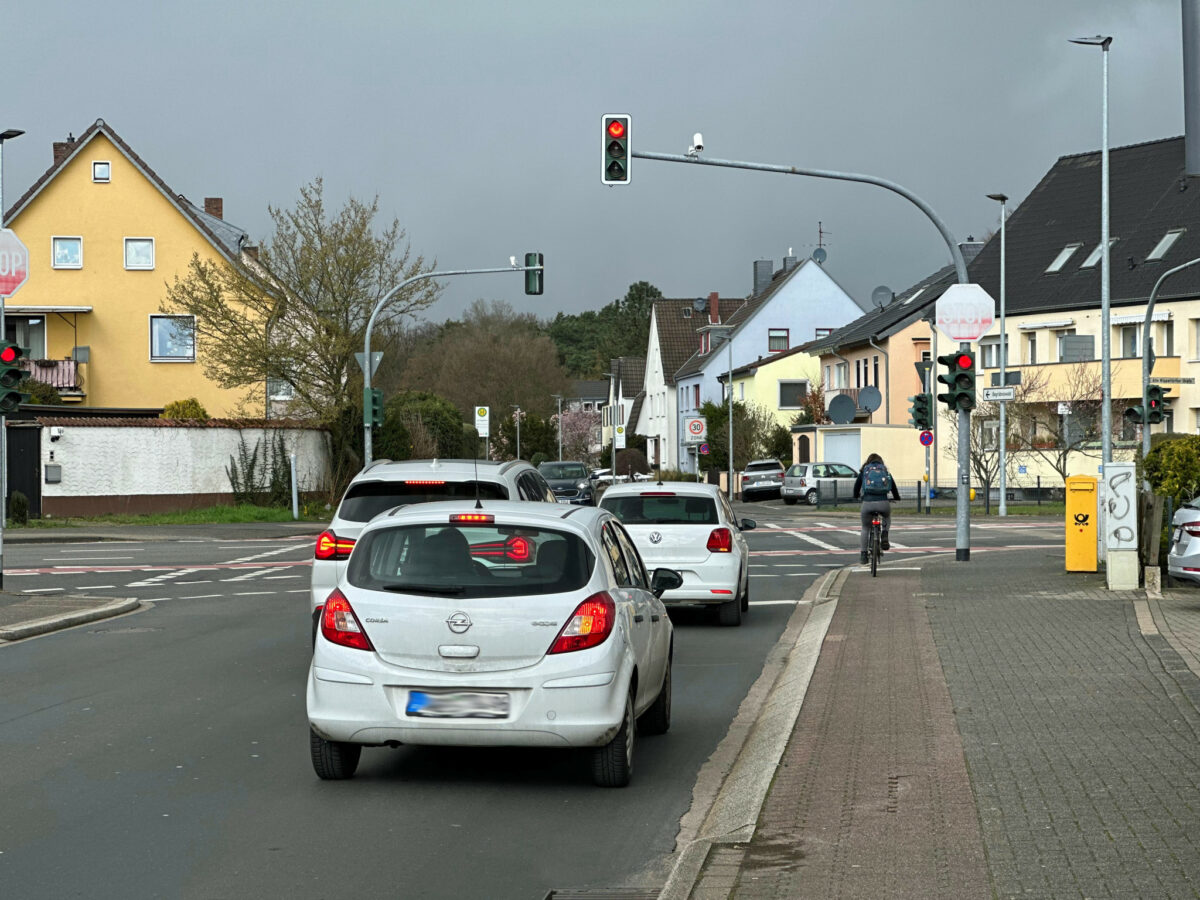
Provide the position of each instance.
(105, 236)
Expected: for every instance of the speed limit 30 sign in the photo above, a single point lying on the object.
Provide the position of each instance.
(695, 429)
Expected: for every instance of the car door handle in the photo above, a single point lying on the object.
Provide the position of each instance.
(639, 618)
(655, 617)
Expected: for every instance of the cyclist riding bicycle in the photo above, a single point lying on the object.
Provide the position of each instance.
(874, 483)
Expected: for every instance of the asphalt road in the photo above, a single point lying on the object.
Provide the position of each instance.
(164, 753)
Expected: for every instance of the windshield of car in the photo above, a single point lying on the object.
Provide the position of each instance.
(562, 470)
(367, 499)
(768, 466)
(649, 509)
(474, 561)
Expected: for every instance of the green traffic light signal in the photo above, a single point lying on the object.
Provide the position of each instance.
(373, 406)
(959, 378)
(615, 159)
(533, 277)
(11, 374)
(921, 412)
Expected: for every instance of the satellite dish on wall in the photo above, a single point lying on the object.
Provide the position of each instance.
(819, 255)
(699, 303)
(841, 410)
(869, 398)
(881, 296)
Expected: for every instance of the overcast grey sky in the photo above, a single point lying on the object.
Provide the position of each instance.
(478, 123)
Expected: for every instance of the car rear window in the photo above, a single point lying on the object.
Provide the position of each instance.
(764, 467)
(562, 470)
(796, 471)
(367, 499)
(470, 561)
(643, 509)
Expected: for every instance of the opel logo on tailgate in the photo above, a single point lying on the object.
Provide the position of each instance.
(655, 537)
(459, 622)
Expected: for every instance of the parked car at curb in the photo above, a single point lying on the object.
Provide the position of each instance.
(762, 477)
(1183, 556)
(498, 624)
(385, 484)
(691, 528)
(800, 482)
(569, 481)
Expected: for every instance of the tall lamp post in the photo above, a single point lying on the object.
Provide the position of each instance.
(1002, 200)
(1103, 43)
(558, 397)
(6, 135)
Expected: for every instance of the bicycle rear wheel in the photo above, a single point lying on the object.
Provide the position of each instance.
(875, 540)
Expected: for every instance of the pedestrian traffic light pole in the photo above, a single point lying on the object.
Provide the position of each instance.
(962, 538)
(1146, 365)
(533, 269)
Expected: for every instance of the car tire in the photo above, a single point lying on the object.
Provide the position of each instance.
(730, 614)
(746, 596)
(657, 719)
(811, 497)
(612, 764)
(790, 501)
(333, 760)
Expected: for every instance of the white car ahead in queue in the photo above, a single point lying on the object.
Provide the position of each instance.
(497, 624)
(691, 528)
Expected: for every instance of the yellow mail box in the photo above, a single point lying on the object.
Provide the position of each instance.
(1082, 507)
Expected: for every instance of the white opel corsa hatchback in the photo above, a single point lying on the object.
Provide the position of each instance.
(492, 624)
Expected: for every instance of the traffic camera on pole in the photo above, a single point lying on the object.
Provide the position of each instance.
(959, 377)
(921, 412)
(11, 374)
(615, 159)
(1155, 403)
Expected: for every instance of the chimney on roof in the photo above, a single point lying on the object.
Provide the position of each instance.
(714, 309)
(1191, 90)
(762, 275)
(62, 149)
(789, 261)
(970, 248)
(215, 207)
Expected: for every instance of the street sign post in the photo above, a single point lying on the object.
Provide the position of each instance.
(965, 312)
(999, 394)
(619, 438)
(14, 263)
(926, 438)
(695, 429)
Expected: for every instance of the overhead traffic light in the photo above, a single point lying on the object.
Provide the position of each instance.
(921, 412)
(11, 374)
(959, 377)
(533, 277)
(615, 160)
(373, 406)
(1155, 403)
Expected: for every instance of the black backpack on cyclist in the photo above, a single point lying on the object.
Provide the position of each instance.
(876, 482)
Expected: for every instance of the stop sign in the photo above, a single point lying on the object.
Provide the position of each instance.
(965, 312)
(14, 263)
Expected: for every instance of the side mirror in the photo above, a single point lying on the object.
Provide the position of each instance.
(748, 525)
(665, 580)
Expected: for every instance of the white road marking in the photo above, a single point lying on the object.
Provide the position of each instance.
(255, 556)
(84, 558)
(774, 602)
(295, 592)
(278, 577)
(94, 587)
(41, 590)
(792, 574)
(205, 581)
(252, 573)
(815, 542)
(201, 596)
(252, 593)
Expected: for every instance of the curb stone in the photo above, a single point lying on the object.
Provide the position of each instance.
(751, 750)
(67, 620)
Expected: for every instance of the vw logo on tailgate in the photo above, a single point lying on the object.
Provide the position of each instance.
(655, 537)
(459, 622)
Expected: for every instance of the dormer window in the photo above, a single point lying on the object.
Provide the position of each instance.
(1094, 256)
(1063, 255)
(1167, 242)
(919, 292)
(101, 171)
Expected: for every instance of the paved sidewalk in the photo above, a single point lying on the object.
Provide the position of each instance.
(992, 728)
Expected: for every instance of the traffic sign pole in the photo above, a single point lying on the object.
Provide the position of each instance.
(14, 271)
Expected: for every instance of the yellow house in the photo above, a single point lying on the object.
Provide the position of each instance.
(105, 236)
(779, 382)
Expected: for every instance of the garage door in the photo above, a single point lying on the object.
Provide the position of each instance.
(843, 447)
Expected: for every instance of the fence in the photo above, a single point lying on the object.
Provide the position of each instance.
(914, 495)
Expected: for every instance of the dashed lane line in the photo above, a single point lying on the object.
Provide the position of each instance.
(95, 587)
(247, 576)
(265, 553)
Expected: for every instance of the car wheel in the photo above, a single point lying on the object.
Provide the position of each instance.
(790, 501)
(333, 760)
(612, 764)
(730, 614)
(811, 497)
(657, 719)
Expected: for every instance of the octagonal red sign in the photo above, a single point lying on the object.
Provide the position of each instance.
(14, 263)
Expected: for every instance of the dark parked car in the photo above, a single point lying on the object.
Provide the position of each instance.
(569, 481)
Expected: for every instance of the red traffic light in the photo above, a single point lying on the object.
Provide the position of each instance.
(9, 354)
(616, 129)
(966, 361)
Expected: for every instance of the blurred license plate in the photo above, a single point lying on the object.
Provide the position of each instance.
(457, 705)
(563, 499)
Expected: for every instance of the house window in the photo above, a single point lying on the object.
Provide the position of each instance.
(67, 252)
(822, 332)
(989, 354)
(1063, 255)
(1166, 243)
(792, 394)
(101, 171)
(1168, 330)
(1031, 349)
(1129, 342)
(139, 253)
(829, 384)
(1195, 329)
(777, 339)
(841, 375)
(172, 338)
(875, 371)
(1058, 340)
(696, 395)
(741, 390)
(278, 389)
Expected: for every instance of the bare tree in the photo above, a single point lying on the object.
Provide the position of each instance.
(1039, 430)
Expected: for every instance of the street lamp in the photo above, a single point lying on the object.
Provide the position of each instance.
(1103, 43)
(1002, 200)
(518, 418)
(558, 397)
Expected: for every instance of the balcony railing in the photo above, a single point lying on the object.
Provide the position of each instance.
(61, 374)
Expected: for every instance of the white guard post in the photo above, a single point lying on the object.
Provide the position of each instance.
(1120, 526)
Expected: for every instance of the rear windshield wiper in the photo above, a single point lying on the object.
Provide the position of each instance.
(424, 588)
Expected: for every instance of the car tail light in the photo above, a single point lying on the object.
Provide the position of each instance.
(720, 541)
(421, 481)
(590, 624)
(340, 625)
(472, 519)
(658, 493)
(1192, 528)
(330, 546)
